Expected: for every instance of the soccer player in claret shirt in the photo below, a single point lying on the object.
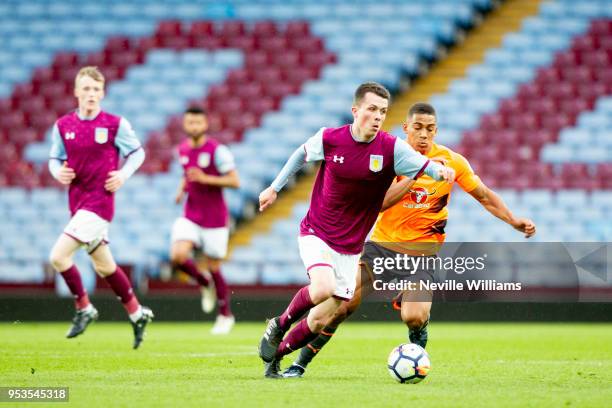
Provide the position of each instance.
(359, 163)
(85, 156)
(413, 220)
(209, 167)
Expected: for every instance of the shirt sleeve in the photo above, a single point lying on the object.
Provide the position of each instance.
(295, 162)
(224, 159)
(133, 162)
(466, 178)
(411, 164)
(54, 168)
(126, 140)
(310, 151)
(58, 151)
(314, 147)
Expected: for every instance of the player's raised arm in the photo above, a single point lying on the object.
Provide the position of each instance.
(310, 151)
(411, 164)
(58, 167)
(494, 204)
(130, 148)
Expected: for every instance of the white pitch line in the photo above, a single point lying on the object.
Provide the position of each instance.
(226, 354)
(114, 353)
(564, 362)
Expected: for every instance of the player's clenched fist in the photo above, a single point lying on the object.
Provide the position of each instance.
(266, 198)
(447, 174)
(114, 181)
(196, 175)
(526, 226)
(66, 174)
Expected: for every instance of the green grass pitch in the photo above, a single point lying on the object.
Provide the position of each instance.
(181, 364)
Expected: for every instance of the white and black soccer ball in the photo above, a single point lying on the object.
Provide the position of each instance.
(408, 363)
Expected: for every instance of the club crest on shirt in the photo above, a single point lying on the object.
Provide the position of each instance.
(184, 160)
(101, 135)
(376, 162)
(203, 159)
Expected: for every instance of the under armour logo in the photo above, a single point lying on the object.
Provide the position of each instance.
(338, 159)
(70, 135)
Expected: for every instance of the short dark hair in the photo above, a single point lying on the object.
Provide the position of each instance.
(373, 87)
(421, 108)
(196, 110)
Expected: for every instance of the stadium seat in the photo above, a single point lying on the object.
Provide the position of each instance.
(316, 67)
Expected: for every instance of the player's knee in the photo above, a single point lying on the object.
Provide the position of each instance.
(59, 262)
(213, 264)
(352, 305)
(104, 271)
(317, 323)
(342, 313)
(321, 292)
(178, 258)
(414, 319)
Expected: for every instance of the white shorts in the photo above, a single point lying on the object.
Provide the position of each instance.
(212, 241)
(88, 228)
(315, 252)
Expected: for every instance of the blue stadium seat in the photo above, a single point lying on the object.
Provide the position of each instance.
(30, 33)
(240, 274)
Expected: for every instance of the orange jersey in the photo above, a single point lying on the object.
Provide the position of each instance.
(421, 215)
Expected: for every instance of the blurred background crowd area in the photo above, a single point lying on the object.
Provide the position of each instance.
(522, 88)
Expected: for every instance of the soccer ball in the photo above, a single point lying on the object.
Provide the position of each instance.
(408, 363)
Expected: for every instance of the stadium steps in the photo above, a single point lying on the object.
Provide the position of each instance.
(281, 209)
(507, 18)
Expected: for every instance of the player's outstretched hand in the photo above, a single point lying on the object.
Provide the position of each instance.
(114, 181)
(447, 174)
(266, 198)
(526, 226)
(66, 174)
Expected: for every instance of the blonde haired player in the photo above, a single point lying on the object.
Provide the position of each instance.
(85, 156)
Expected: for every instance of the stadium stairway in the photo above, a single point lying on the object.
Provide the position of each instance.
(507, 18)
(148, 42)
(281, 209)
(556, 43)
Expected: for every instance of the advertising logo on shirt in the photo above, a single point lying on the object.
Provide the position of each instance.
(419, 197)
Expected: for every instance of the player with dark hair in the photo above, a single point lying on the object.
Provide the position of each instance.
(358, 164)
(85, 156)
(209, 167)
(413, 220)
